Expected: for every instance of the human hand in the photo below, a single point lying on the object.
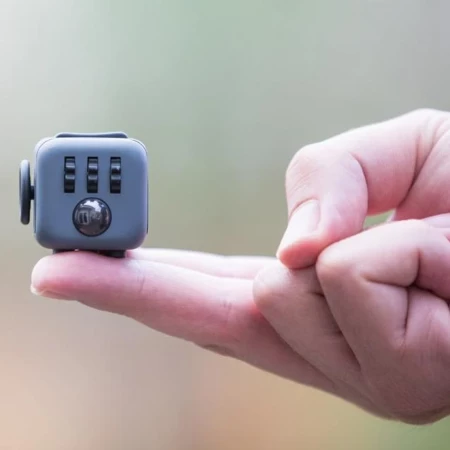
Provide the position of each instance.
(215, 303)
(382, 326)
(401, 164)
(373, 317)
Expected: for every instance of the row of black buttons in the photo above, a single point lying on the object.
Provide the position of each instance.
(115, 178)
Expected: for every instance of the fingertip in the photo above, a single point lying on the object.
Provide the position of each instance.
(299, 255)
(41, 280)
(39, 274)
(53, 274)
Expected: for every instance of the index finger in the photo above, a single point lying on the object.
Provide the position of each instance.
(332, 186)
(236, 266)
(214, 312)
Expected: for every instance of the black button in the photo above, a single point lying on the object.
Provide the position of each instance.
(26, 192)
(92, 217)
(92, 175)
(115, 181)
(69, 175)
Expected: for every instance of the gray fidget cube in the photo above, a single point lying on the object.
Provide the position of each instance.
(90, 193)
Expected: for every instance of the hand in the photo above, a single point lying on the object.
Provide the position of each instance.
(216, 303)
(370, 323)
(373, 317)
(402, 164)
(202, 298)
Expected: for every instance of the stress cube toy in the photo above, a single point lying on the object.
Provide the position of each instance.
(90, 193)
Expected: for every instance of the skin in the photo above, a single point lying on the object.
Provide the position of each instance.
(359, 313)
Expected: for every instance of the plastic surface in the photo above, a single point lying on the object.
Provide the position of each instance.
(111, 134)
(109, 172)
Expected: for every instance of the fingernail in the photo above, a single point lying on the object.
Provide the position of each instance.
(47, 294)
(302, 223)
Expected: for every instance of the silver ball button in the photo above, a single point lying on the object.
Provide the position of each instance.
(92, 217)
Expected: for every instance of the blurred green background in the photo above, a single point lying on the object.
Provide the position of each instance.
(223, 94)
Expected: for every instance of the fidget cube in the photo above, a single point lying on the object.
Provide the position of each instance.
(90, 193)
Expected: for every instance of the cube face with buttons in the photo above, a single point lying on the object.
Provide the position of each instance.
(90, 192)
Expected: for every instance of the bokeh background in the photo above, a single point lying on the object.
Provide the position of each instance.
(223, 94)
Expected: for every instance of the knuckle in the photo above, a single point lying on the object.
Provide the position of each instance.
(335, 264)
(308, 155)
(425, 113)
(427, 119)
(416, 224)
(242, 326)
(433, 125)
(413, 227)
(268, 285)
(305, 163)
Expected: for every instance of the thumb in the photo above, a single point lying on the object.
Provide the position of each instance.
(332, 186)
